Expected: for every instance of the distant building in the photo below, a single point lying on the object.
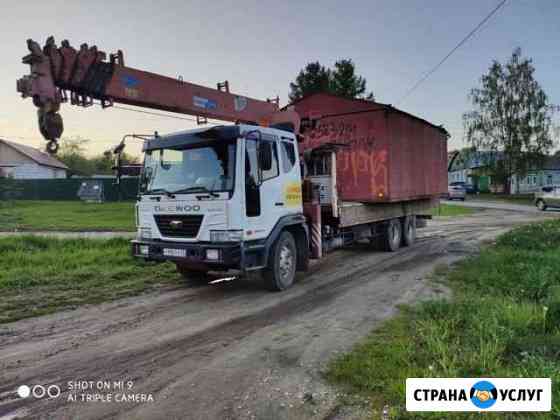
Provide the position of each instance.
(470, 167)
(474, 168)
(535, 179)
(23, 162)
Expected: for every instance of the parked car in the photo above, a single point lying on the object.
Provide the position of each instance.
(470, 188)
(457, 191)
(548, 197)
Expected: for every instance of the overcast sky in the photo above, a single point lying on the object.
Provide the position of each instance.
(259, 46)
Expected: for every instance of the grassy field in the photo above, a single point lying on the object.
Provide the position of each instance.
(27, 215)
(526, 199)
(43, 275)
(66, 215)
(504, 321)
(451, 210)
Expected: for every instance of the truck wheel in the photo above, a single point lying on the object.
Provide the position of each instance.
(541, 205)
(408, 230)
(281, 270)
(393, 235)
(193, 276)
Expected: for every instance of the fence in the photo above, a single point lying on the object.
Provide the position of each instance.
(65, 189)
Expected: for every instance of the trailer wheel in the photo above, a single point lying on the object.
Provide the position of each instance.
(408, 230)
(193, 276)
(281, 270)
(392, 236)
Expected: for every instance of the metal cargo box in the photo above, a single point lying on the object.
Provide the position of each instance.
(383, 154)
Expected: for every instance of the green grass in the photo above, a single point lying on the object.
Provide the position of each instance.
(451, 210)
(504, 321)
(43, 275)
(66, 215)
(523, 199)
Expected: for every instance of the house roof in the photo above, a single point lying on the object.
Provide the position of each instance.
(475, 159)
(551, 163)
(481, 158)
(375, 106)
(37, 156)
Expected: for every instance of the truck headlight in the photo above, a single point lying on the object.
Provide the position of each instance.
(226, 235)
(145, 233)
(213, 254)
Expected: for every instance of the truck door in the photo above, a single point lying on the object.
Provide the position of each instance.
(264, 202)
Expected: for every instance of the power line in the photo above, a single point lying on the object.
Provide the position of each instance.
(157, 114)
(444, 59)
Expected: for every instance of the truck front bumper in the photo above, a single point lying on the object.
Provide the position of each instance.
(200, 254)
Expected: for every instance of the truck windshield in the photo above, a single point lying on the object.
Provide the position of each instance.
(207, 168)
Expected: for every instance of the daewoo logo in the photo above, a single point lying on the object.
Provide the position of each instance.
(177, 208)
(175, 224)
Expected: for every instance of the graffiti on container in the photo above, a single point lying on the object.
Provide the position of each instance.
(333, 130)
(361, 162)
(366, 165)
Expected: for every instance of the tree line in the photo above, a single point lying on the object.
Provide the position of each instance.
(72, 153)
(341, 80)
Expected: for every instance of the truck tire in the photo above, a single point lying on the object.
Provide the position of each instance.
(193, 276)
(392, 236)
(408, 230)
(282, 260)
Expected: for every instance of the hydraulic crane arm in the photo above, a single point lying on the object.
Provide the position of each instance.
(81, 76)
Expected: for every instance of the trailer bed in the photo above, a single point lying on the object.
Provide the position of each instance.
(352, 213)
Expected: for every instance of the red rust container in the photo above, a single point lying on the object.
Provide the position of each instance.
(389, 155)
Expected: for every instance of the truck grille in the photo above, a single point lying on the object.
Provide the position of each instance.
(179, 226)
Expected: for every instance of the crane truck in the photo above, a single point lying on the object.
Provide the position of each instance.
(270, 191)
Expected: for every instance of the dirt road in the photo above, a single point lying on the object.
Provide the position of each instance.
(227, 350)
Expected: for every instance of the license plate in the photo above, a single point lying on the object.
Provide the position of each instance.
(172, 252)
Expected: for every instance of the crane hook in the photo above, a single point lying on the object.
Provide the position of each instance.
(52, 147)
(51, 127)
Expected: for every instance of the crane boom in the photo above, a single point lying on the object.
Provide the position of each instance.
(62, 74)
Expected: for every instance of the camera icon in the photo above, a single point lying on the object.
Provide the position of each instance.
(39, 391)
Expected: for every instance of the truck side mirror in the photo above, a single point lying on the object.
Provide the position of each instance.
(117, 152)
(265, 155)
(117, 168)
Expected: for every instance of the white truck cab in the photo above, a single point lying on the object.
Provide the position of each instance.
(226, 197)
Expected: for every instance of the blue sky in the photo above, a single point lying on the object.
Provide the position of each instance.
(259, 46)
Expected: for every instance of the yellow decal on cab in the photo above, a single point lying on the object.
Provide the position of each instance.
(292, 194)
